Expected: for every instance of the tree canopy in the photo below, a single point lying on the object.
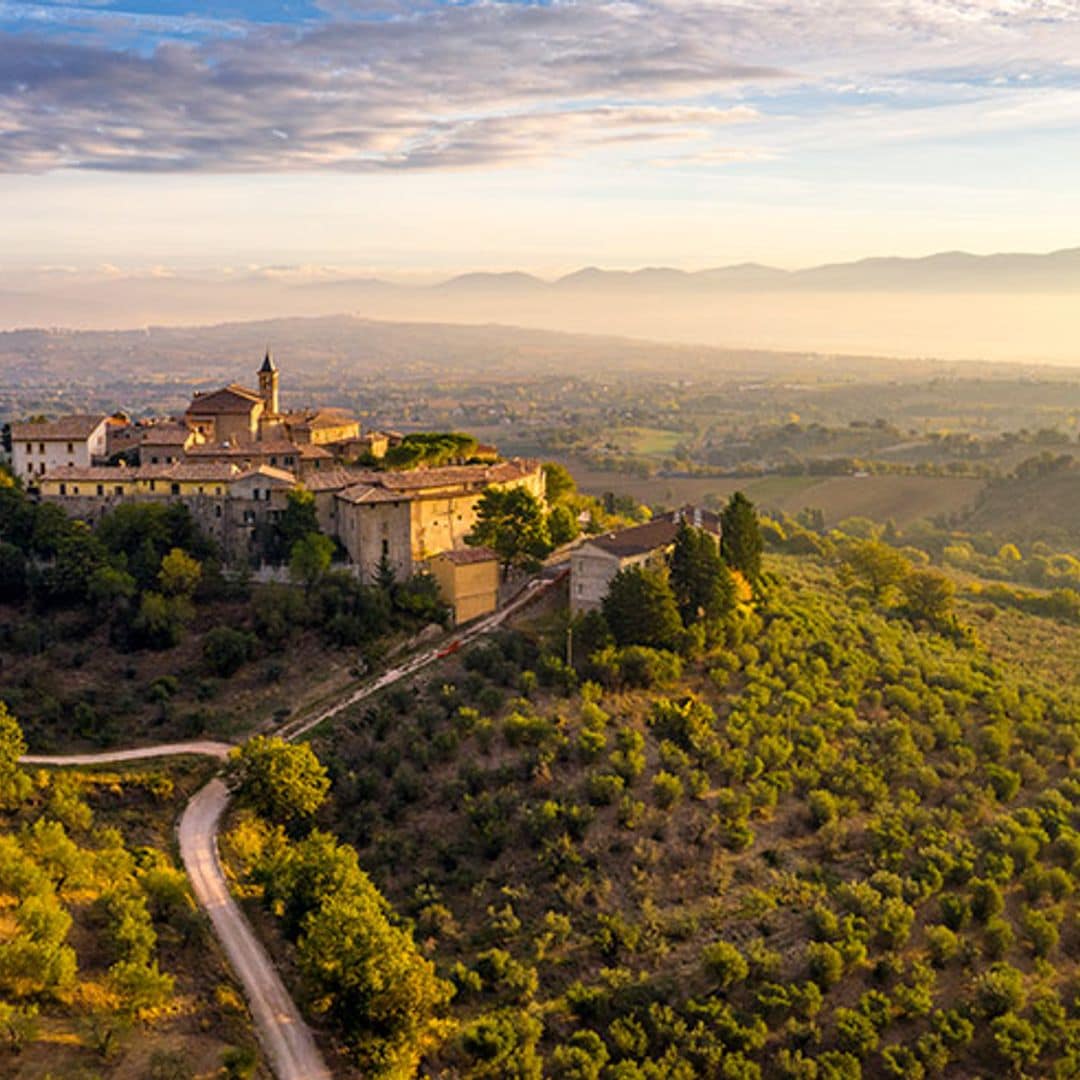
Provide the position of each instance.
(511, 522)
(640, 608)
(310, 558)
(281, 781)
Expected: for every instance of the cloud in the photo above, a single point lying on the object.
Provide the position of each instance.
(394, 85)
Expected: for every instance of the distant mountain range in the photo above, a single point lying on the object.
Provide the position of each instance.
(1017, 307)
(949, 271)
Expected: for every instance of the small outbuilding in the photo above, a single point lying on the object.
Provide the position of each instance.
(468, 580)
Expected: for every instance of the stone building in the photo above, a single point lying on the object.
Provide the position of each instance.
(407, 517)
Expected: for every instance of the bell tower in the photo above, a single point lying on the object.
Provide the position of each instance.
(268, 384)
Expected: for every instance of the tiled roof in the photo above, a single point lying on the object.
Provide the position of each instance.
(311, 451)
(188, 470)
(229, 399)
(78, 426)
(453, 476)
(332, 479)
(468, 556)
(164, 435)
(207, 471)
(100, 474)
(244, 450)
(268, 472)
(658, 533)
(366, 493)
(320, 417)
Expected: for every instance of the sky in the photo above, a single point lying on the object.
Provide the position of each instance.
(413, 137)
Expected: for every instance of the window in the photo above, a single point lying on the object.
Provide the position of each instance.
(386, 548)
(41, 448)
(71, 448)
(101, 489)
(41, 468)
(174, 488)
(29, 447)
(29, 466)
(75, 490)
(63, 489)
(153, 459)
(217, 511)
(217, 491)
(118, 490)
(153, 485)
(273, 459)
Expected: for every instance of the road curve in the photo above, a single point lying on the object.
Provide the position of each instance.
(285, 1037)
(199, 747)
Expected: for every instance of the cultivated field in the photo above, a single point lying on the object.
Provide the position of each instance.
(903, 498)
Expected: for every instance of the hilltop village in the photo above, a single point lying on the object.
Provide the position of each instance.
(395, 504)
(235, 456)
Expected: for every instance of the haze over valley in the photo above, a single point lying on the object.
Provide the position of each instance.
(952, 306)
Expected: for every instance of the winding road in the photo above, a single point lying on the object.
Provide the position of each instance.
(284, 1035)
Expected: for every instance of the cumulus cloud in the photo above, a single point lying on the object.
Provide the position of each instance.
(396, 85)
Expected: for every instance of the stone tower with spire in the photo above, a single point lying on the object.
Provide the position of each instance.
(268, 385)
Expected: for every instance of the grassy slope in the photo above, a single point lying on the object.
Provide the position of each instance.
(1035, 508)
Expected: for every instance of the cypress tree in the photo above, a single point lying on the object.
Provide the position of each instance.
(702, 584)
(740, 542)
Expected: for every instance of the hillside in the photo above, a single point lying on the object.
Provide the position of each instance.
(835, 844)
(1032, 507)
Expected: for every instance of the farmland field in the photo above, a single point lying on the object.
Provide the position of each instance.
(903, 498)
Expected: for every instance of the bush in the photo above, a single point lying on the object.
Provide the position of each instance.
(667, 789)
(226, 650)
(725, 964)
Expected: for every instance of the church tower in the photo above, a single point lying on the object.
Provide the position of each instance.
(268, 385)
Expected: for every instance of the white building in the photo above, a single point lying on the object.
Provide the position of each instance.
(38, 448)
(596, 561)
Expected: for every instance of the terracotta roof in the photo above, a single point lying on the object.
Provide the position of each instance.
(332, 479)
(320, 417)
(268, 472)
(244, 450)
(164, 435)
(229, 399)
(188, 470)
(468, 556)
(454, 475)
(91, 473)
(658, 533)
(312, 450)
(366, 493)
(78, 426)
(208, 471)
